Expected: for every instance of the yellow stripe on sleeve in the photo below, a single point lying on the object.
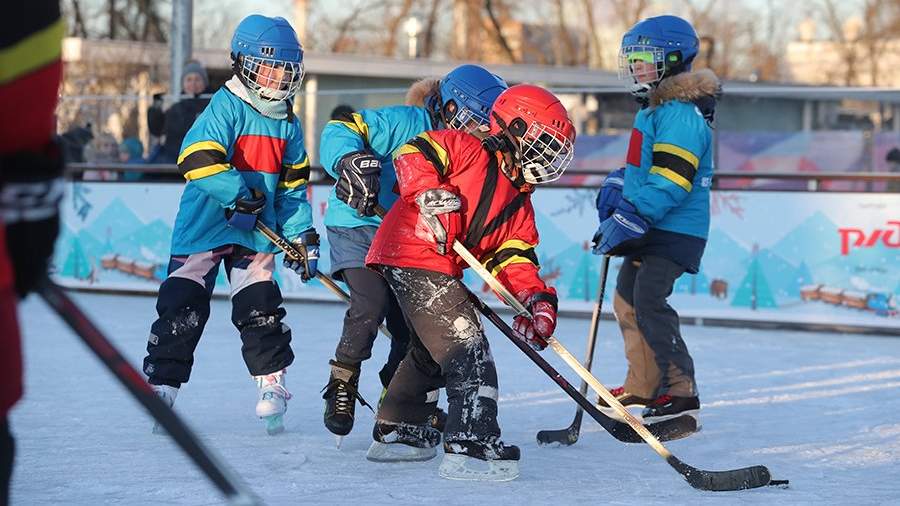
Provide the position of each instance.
(33, 52)
(672, 176)
(679, 152)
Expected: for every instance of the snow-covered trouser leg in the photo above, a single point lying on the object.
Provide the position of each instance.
(183, 309)
(447, 348)
(257, 313)
(7, 455)
(645, 288)
(371, 302)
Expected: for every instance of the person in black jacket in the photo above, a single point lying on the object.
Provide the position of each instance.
(175, 122)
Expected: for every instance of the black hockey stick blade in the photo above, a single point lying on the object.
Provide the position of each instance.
(565, 437)
(132, 380)
(723, 481)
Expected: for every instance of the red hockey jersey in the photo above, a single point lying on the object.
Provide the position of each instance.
(497, 217)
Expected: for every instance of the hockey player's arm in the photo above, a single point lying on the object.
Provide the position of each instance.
(340, 138)
(421, 164)
(204, 156)
(292, 208)
(677, 149)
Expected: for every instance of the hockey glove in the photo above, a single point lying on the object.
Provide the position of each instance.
(31, 187)
(618, 230)
(439, 212)
(358, 181)
(246, 211)
(536, 330)
(308, 265)
(610, 193)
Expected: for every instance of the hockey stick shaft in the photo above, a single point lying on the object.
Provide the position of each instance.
(595, 326)
(132, 380)
(737, 479)
(323, 278)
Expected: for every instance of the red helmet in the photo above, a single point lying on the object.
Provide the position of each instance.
(540, 128)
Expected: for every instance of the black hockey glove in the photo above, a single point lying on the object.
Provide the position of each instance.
(31, 187)
(358, 181)
(246, 211)
(307, 244)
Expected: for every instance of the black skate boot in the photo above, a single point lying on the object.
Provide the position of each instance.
(628, 399)
(666, 407)
(489, 460)
(403, 442)
(340, 396)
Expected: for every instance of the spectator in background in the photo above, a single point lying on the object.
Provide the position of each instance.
(131, 151)
(104, 149)
(893, 161)
(74, 140)
(175, 122)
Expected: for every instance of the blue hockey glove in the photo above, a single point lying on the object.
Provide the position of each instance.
(610, 193)
(624, 225)
(246, 211)
(308, 246)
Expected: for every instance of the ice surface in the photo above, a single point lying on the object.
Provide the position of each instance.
(818, 409)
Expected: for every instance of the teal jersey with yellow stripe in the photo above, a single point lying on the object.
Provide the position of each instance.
(379, 131)
(669, 168)
(229, 150)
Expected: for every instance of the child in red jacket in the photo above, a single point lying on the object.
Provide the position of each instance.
(452, 187)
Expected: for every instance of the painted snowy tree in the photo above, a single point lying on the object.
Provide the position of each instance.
(76, 265)
(583, 283)
(754, 291)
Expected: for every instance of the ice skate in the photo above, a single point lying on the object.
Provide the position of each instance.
(167, 394)
(631, 402)
(403, 442)
(480, 461)
(666, 407)
(340, 396)
(272, 403)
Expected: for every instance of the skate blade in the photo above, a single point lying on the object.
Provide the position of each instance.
(612, 413)
(159, 430)
(461, 467)
(274, 424)
(398, 452)
(337, 441)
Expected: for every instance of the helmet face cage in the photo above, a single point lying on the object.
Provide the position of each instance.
(544, 153)
(631, 57)
(468, 121)
(271, 79)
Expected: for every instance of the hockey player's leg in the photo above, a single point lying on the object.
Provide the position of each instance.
(659, 325)
(368, 307)
(447, 325)
(183, 309)
(257, 314)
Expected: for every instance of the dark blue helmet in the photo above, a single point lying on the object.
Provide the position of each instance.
(466, 96)
(656, 48)
(267, 57)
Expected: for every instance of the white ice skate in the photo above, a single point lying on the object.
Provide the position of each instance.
(166, 394)
(403, 443)
(272, 403)
(480, 461)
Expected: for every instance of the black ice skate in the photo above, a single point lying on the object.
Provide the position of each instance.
(667, 407)
(628, 399)
(340, 396)
(403, 442)
(489, 460)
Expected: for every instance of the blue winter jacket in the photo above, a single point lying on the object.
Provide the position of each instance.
(379, 131)
(669, 167)
(230, 149)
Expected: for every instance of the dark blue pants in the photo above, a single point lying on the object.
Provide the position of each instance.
(183, 309)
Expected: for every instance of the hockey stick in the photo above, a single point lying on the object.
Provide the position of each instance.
(569, 435)
(292, 252)
(735, 479)
(132, 380)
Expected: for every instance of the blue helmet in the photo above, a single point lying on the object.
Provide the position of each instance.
(666, 44)
(466, 96)
(267, 57)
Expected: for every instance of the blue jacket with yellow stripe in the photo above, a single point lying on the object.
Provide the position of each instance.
(230, 149)
(379, 131)
(669, 167)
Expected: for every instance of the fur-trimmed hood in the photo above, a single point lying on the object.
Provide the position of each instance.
(687, 87)
(421, 89)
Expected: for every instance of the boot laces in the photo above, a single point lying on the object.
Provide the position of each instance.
(662, 400)
(345, 394)
(618, 391)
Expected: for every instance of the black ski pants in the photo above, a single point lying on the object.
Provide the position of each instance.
(448, 348)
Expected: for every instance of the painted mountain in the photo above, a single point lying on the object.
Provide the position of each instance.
(813, 241)
(115, 222)
(148, 242)
(724, 258)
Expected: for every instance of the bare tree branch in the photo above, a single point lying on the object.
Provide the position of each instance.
(498, 31)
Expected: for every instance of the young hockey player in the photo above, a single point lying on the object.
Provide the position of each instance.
(244, 160)
(356, 150)
(455, 187)
(655, 211)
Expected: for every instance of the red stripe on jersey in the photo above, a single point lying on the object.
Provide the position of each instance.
(634, 147)
(260, 153)
(28, 115)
